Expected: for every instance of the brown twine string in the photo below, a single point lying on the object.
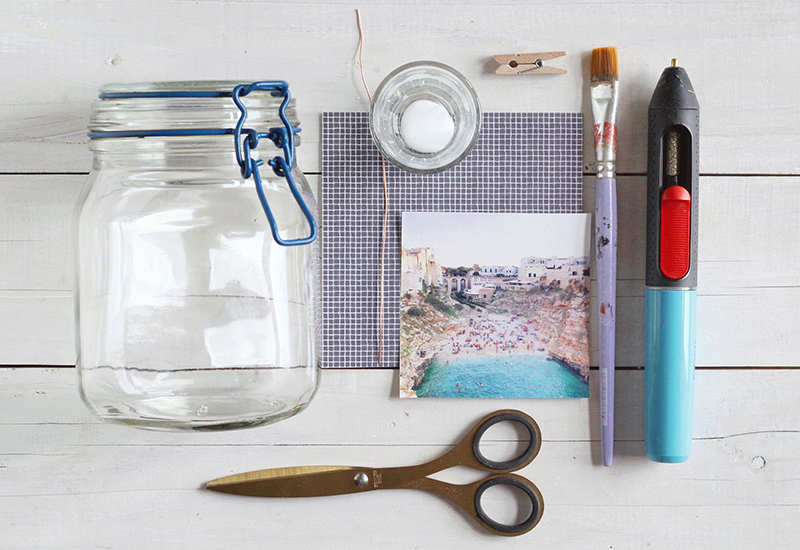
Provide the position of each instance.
(385, 193)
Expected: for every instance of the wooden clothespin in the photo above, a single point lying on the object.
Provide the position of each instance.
(527, 63)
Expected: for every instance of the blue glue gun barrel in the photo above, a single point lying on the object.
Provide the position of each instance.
(670, 328)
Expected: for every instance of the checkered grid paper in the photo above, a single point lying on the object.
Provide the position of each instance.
(522, 162)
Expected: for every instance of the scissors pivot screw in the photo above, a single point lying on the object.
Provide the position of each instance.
(361, 479)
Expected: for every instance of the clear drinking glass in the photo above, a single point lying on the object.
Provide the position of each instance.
(435, 84)
(190, 315)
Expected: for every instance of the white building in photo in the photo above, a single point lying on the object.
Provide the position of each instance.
(510, 271)
(547, 270)
(499, 271)
(418, 269)
(532, 269)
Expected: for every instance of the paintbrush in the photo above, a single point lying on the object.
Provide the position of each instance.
(604, 91)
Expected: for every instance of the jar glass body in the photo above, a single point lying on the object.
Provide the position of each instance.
(190, 315)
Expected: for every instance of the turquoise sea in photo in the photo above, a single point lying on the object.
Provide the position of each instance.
(506, 376)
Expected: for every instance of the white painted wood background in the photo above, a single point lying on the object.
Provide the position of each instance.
(70, 481)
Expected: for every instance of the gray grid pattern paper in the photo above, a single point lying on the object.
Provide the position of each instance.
(522, 162)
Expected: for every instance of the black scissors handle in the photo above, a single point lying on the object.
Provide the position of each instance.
(520, 484)
(468, 453)
(515, 463)
(528, 489)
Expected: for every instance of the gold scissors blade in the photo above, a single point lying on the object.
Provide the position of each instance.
(303, 481)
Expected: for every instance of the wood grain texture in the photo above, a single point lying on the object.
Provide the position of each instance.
(70, 481)
(749, 270)
(56, 54)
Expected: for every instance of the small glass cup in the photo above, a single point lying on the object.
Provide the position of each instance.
(439, 86)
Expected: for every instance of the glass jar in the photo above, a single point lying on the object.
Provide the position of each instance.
(191, 314)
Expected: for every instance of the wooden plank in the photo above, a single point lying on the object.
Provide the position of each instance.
(169, 518)
(69, 480)
(36, 232)
(756, 329)
(59, 53)
(37, 328)
(725, 403)
(744, 306)
(746, 313)
(37, 275)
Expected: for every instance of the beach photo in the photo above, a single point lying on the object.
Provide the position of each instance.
(494, 305)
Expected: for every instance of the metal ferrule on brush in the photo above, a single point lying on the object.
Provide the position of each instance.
(604, 107)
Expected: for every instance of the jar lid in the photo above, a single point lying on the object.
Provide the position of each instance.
(142, 106)
(177, 110)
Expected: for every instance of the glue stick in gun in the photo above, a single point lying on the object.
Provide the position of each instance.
(671, 281)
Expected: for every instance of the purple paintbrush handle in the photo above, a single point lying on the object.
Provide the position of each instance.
(605, 238)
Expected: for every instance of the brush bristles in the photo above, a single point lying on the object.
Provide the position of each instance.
(604, 65)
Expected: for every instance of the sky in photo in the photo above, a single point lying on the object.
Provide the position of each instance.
(497, 238)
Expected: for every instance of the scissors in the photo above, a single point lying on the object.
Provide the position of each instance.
(315, 481)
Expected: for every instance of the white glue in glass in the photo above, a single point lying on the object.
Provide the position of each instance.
(426, 126)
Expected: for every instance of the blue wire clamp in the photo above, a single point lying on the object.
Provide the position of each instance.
(283, 138)
(245, 140)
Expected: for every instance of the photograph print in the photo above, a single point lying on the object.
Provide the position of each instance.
(494, 305)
